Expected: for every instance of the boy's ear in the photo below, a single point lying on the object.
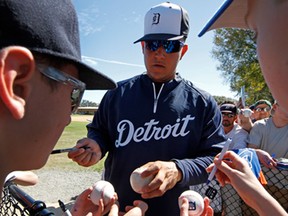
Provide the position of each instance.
(16, 69)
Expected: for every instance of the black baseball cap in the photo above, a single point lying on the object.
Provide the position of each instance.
(228, 108)
(48, 27)
(165, 21)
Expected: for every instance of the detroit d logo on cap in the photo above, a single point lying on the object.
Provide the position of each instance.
(156, 18)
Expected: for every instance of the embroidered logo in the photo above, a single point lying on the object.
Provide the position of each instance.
(151, 131)
(156, 19)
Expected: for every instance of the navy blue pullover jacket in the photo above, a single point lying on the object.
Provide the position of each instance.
(135, 125)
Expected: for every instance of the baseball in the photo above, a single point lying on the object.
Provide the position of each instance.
(196, 202)
(247, 112)
(102, 190)
(137, 182)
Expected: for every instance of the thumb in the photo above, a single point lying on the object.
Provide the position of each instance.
(184, 207)
(114, 210)
(142, 205)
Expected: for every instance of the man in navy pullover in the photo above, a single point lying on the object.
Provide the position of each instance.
(157, 119)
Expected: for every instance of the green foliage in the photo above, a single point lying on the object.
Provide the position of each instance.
(235, 49)
(221, 99)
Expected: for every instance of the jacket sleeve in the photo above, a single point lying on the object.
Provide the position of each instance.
(98, 128)
(212, 141)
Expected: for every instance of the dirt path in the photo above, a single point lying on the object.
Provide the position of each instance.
(82, 118)
(60, 184)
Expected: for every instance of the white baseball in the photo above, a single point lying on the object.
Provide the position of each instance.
(102, 190)
(137, 182)
(247, 112)
(196, 202)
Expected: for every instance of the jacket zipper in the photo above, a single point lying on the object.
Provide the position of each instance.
(156, 97)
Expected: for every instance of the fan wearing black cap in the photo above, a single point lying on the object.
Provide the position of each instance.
(42, 79)
(232, 130)
(269, 20)
(157, 119)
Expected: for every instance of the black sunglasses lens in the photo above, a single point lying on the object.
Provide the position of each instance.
(152, 45)
(169, 46)
(229, 115)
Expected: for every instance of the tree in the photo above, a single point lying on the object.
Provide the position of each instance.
(221, 99)
(235, 49)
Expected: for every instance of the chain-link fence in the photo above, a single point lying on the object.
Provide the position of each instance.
(9, 206)
(15, 202)
(227, 202)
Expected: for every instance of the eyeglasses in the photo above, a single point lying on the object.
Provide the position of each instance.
(59, 76)
(266, 109)
(169, 46)
(229, 115)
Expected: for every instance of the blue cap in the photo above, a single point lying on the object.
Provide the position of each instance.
(231, 14)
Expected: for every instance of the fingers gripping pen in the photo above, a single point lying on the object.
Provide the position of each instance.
(223, 151)
(57, 151)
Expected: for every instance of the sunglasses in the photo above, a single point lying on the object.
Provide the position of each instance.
(59, 76)
(169, 46)
(229, 115)
(266, 109)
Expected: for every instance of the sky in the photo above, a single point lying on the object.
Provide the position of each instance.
(108, 29)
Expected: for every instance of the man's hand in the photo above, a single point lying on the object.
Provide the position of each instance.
(166, 176)
(266, 159)
(88, 153)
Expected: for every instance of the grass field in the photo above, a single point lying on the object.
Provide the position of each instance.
(73, 132)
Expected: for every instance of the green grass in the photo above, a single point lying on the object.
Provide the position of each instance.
(72, 133)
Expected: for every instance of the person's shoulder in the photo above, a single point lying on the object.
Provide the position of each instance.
(202, 98)
(260, 125)
(196, 90)
(239, 129)
(123, 84)
(262, 122)
(128, 81)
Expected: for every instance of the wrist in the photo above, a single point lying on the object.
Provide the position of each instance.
(179, 176)
(179, 172)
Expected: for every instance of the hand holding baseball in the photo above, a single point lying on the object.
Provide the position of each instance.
(165, 176)
(102, 190)
(195, 202)
(138, 182)
(184, 207)
(84, 206)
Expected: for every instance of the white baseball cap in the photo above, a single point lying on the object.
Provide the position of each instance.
(231, 14)
(166, 21)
